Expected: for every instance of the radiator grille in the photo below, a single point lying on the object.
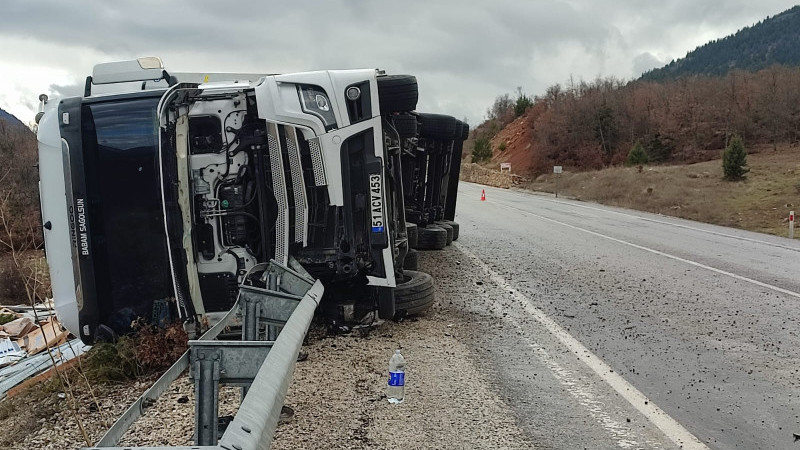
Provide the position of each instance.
(279, 189)
(299, 187)
(316, 160)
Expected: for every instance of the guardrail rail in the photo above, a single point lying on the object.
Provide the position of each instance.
(262, 363)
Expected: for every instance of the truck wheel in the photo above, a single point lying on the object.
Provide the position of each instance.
(413, 234)
(397, 93)
(465, 132)
(431, 238)
(447, 228)
(454, 226)
(437, 126)
(412, 260)
(414, 294)
(406, 125)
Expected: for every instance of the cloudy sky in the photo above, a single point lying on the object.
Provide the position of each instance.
(463, 53)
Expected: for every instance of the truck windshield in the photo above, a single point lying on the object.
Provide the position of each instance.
(120, 141)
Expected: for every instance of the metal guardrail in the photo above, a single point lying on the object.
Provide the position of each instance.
(262, 363)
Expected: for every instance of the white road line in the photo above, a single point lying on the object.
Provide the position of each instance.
(660, 253)
(669, 426)
(662, 222)
(687, 227)
(586, 394)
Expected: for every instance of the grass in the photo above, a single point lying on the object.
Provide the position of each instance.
(697, 191)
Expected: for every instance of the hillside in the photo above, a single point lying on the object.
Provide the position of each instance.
(696, 191)
(775, 40)
(10, 119)
(593, 125)
(747, 84)
(19, 204)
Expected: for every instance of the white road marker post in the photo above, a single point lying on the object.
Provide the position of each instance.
(557, 170)
(791, 224)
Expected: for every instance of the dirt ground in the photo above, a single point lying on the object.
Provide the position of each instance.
(338, 393)
(45, 417)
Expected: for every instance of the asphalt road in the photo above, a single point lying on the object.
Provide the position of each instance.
(658, 332)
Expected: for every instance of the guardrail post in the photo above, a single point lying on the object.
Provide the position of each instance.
(272, 331)
(206, 388)
(250, 319)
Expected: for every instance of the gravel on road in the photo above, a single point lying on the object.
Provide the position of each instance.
(450, 400)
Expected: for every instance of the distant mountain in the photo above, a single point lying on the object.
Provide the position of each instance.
(775, 40)
(10, 119)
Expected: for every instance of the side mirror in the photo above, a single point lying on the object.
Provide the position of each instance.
(42, 102)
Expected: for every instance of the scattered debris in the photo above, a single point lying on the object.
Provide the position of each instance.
(10, 352)
(49, 334)
(23, 342)
(27, 367)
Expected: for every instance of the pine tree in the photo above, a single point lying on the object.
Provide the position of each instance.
(734, 160)
(482, 150)
(637, 156)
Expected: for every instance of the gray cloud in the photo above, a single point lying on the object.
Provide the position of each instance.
(69, 90)
(463, 53)
(645, 61)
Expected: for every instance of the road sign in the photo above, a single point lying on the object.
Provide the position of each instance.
(505, 166)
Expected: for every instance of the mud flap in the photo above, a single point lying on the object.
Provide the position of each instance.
(386, 305)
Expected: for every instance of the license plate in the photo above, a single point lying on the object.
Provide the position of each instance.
(376, 203)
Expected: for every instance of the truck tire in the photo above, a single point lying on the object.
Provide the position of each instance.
(454, 226)
(412, 231)
(397, 93)
(414, 294)
(447, 228)
(431, 238)
(437, 126)
(412, 260)
(406, 125)
(465, 132)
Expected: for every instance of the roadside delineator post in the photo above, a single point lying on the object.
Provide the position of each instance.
(483, 195)
(791, 224)
(557, 170)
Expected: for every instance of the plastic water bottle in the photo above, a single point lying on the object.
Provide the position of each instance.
(397, 378)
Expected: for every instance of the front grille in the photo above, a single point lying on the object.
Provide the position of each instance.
(279, 190)
(298, 187)
(316, 161)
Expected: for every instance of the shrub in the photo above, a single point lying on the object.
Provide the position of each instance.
(659, 148)
(150, 350)
(637, 156)
(482, 150)
(157, 349)
(734, 160)
(522, 103)
(502, 146)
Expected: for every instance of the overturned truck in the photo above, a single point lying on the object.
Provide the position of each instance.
(163, 193)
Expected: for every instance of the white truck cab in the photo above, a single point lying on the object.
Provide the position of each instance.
(161, 195)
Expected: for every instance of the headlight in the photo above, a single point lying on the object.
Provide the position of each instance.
(314, 100)
(353, 93)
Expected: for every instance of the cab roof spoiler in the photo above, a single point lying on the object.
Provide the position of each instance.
(139, 69)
